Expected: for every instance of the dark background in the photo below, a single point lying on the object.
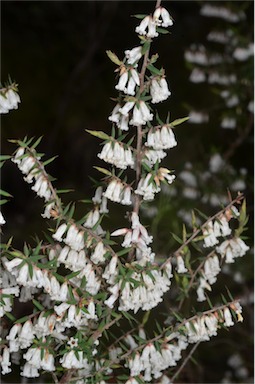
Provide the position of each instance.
(55, 51)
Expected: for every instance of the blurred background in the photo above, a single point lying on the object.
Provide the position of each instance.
(55, 51)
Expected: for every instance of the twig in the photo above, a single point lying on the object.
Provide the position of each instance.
(193, 277)
(197, 231)
(158, 3)
(185, 361)
(67, 376)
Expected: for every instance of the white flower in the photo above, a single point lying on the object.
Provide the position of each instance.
(219, 37)
(198, 117)
(141, 114)
(216, 78)
(103, 206)
(26, 334)
(9, 101)
(126, 198)
(60, 232)
(133, 55)
(70, 360)
(114, 153)
(161, 138)
(73, 342)
(228, 317)
(132, 82)
(197, 76)
(123, 123)
(232, 248)
(41, 188)
(92, 218)
(238, 185)
(97, 199)
(121, 86)
(126, 108)
(98, 254)
(216, 163)
(210, 238)
(2, 220)
(180, 265)
(243, 53)
(111, 270)
(200, 290)
(159, 90)
(147, 27)
(210, 10)
(164, 14)
(151, 156)
(115, 116)
(211, 269)
(228, 123)
(29, 371)
(5, 361)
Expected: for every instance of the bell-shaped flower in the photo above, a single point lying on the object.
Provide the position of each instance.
(162, 17)
(141, 114)
(159, 90)
(133, 55)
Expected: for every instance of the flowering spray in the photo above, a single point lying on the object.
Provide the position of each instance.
(92, 291)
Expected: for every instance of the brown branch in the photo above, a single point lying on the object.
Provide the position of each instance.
(158, 3)
(239, 197)
(239, 140)
(185, 361)
(65, 379)
(193, 277)
(140, 135)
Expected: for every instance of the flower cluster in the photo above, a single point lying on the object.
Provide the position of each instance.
(114, 153)
(150, 185)
(206, 326)
(30, 165)
(9, 99)
(81, 284)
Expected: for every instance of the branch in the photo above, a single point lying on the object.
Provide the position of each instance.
(197, 231)
(185, 361)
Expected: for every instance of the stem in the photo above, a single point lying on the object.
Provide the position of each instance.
(193, 277)
(139, 142)
(67, 376)
(197, 231)
(239, 140)
(158, 3)
(185, 361)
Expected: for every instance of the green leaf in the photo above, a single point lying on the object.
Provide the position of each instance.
(154, 70)
(37, 142)
(178, 239)
(4, 193)
(22, 319)
(139, 16)
(64, 190)
(145, 318)
(4, 157)
(146, 47)
(113, 57)
(10, 316)
(179, 121)
(71, 275)
(201, 214)
(38, 305)
(123, 251)
(99, 134)
(49, 160)
(153, 58)
(30, 270)
(103, 170)
(3, 201)
(162, 30)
